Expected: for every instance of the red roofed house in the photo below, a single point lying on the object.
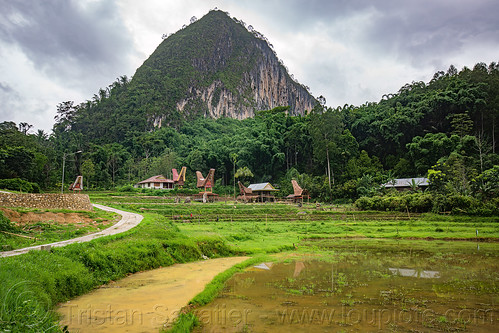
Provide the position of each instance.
(159, 182)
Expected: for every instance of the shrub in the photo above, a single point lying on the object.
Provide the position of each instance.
(159, 193)
(364, 203)
(419, 202)
(460, 203)
(127, 188)
(18, 184)
(5, 224)
(426, 202)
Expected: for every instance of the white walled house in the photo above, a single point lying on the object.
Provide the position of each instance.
(159, 182)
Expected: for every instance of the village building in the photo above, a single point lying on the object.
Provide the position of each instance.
(159, 182)
(405, 184)
(264, 191)
(298, 193)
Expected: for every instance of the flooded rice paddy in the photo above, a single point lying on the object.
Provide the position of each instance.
(325, 286)
(446, 286)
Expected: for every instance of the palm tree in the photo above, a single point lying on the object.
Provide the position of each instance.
(243, 173)
(414, 185)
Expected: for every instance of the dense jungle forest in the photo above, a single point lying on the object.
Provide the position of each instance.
(444, 129)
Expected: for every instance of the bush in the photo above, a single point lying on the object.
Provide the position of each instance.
(426, 202)
(420, 202)
(225, 190)
(187, 191)
(5, 224)
(18, 184)
(460, 203)
(364, 203)
(488, 208)
(127, 188)
(159, 193)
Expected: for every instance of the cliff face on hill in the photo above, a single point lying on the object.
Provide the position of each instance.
(266, 86)
(216, 67)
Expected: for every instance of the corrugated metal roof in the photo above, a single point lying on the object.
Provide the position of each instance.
(407, 182)
(262, 187)
(156, 179)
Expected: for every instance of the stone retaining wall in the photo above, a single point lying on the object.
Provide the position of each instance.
(46, 201)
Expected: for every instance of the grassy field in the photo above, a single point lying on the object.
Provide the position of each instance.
(327, 232)
(253, 228)
(182, 232)
(33, 284)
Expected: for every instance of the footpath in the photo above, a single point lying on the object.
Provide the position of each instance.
(127, 222)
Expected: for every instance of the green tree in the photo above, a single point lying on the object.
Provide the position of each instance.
(367, 185)
(426, 151)
(16, 162)
(487, 183)
(116, 155)
(325, 129)
(163, 165)
(88, 171)
(196, 161)
(243, 173)
(233, 158)
(461, 124)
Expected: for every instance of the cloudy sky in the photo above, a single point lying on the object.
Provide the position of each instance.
(349, 51)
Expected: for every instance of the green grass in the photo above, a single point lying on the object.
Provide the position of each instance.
(34, 283)
(184, 323)
(277, 227)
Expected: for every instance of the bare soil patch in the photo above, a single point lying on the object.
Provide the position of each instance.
(24, 218)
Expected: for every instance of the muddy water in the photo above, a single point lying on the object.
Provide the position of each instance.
(142, 302)
(361, 292)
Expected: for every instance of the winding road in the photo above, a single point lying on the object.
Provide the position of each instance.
(127, 222)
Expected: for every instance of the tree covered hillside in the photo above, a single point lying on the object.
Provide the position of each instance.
(214, 67)
(445, 128)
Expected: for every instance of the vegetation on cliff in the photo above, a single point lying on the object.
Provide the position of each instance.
(445, 129)
(213, 67)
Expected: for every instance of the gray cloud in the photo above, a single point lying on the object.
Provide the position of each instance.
(9, 99)
(348, 51)
(15, 107)
(391, 41)
(423, 32)
(412, 30)
(59, 35)
(5, 88)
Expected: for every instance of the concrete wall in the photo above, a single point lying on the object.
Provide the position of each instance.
(46, 201)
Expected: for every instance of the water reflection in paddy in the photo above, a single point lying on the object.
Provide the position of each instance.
(363, 291)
